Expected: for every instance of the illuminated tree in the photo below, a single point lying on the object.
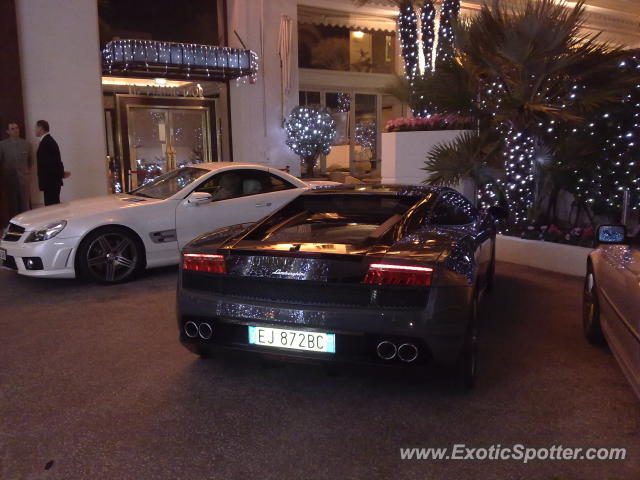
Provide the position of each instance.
(414, 36)
(530, 71)
(408, 34)
(448, 16)
(598, 159)
(428, 21)
(310, 133)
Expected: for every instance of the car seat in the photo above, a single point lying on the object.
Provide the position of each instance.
(251, 186)
(229, 187)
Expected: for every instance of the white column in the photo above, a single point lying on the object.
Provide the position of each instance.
(61, 69)
(258, 136)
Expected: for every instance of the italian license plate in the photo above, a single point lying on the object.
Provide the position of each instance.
(293, 339)
(3, 255)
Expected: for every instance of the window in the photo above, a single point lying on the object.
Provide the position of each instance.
(170, 183)
(278, 184)
(453, 209)
(340, 218)
(344, 49)
(339, 106)
(242, 183)
(223, 186)
(308, 99)
(419, 215)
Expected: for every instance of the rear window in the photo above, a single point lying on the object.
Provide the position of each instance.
(339, 218)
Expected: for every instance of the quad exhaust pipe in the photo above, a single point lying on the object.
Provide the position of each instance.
(203, 330)
(191, 329)
(407, 352)
(387, 350)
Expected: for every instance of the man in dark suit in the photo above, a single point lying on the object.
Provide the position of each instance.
(50, 167)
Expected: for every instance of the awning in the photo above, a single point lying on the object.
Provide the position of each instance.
(350, 20)
(180, 61)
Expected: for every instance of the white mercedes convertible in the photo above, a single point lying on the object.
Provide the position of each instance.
(110, 239)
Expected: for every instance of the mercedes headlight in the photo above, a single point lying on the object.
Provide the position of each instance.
(47, 232)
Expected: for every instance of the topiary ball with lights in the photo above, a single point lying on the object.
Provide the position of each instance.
(310, 133)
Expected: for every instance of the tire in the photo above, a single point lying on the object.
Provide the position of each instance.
(591, 309)
(465, 370)
(110, 255)
(491, 272)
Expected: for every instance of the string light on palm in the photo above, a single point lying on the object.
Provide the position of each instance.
(408, 34)
(427, 22)
(448, 14)
(614, 134)
(519, 184)
(418, 43)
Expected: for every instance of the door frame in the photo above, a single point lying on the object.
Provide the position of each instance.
(125, 101)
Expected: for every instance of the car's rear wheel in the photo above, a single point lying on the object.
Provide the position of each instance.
(465, 372)
(591, 309)
(110, 255)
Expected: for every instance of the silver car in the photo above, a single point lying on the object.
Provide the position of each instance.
(611, 305)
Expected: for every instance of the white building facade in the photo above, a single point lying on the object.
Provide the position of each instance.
(63, 81)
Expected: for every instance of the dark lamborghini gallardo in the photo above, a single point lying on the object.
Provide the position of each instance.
(383, 274)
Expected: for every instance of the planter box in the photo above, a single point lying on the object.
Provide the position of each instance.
(403, 156)
(556, 257)
(404, 153)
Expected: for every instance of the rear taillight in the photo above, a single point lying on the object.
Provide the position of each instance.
(203, 262)
(391, 274)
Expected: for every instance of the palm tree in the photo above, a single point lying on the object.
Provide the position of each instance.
(525, 70)
(411, 36)
(471, 155)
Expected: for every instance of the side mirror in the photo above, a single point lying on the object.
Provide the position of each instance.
(499, 213)
(199, 198)
(612, 234)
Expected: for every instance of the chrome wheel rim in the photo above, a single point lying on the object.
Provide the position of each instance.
(112, 257)
(589, 284)
(588, 303)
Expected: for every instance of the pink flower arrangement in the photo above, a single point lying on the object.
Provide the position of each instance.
(554, 230)
(433, 122)
(588, 232)
(582, 236)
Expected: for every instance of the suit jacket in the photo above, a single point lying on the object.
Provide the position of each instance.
(50, 167)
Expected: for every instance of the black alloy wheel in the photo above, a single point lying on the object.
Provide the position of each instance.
(591, 309)
(110, 255)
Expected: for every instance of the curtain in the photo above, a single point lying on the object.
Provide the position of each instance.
(284, 52)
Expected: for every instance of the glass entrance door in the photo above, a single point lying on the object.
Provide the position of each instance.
(163, 138)
(188, 139)
(339, 105)
(359, 119)
(364, 158)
